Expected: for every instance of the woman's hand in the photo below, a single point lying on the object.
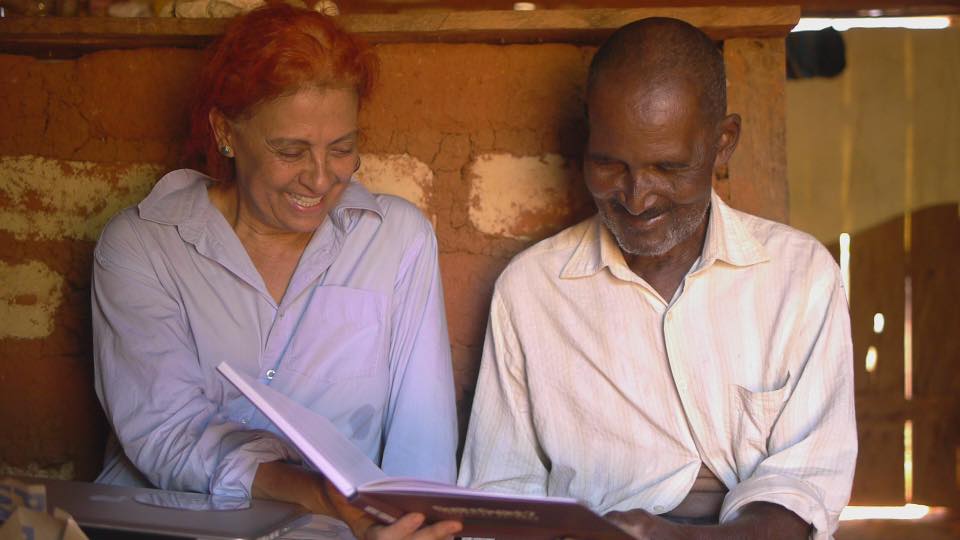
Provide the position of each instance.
(292, 483)
(408, 527)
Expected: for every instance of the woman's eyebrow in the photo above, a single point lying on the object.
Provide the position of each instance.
(280, 141)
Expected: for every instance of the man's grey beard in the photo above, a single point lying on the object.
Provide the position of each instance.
(684, 228)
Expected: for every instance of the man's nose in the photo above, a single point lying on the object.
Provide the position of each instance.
(638, 194)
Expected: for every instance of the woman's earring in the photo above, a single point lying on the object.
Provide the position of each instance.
(226, 150)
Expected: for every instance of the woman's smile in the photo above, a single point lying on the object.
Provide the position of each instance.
(303, 201)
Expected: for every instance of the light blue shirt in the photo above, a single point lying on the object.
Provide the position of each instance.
(359, 337)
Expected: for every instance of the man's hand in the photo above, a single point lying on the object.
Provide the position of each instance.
(408, 527)
(643, 526)
(756, 521)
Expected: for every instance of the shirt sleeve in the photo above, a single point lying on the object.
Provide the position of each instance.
(420, 425)
(150, 382)
(501, 452)
(812, 447)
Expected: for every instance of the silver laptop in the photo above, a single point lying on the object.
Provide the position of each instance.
(103, 509)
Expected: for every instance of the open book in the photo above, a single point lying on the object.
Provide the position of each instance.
(483, 513)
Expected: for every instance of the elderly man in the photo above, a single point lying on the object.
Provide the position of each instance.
(678, 365)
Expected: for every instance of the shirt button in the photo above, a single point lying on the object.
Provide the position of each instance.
(243, 420)
(658, 508)
(271, 373)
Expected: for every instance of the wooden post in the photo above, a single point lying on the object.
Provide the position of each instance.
(756, 71)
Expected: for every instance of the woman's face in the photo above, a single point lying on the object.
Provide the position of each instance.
(294, 156)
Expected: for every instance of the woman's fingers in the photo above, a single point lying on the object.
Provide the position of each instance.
(408, 528)
(438, 531)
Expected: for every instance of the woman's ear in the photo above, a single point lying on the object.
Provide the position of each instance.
(221, 129)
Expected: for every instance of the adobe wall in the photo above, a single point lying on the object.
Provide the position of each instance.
(483, 138)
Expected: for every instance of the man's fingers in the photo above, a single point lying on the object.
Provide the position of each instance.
(633, 522)
(619, 518)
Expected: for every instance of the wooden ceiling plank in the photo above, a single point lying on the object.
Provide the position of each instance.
(66, 36)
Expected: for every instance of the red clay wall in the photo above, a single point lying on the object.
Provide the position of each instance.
(478, 136)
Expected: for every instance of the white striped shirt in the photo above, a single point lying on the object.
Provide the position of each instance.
(593, 386)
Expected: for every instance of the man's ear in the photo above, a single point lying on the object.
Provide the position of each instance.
(728, 136)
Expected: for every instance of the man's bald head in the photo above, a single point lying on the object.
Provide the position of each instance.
(661, 52)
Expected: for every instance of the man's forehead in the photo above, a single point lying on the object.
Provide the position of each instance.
(651, 97)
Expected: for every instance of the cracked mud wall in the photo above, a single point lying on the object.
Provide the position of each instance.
(484, 139)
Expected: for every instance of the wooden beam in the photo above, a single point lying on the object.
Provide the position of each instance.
(60, 37)
(809, 8)
(586, 25)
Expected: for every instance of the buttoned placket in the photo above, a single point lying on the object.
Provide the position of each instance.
(683, 366)
(277, 344)
(671, 325)
(290, 311)
(307, 276)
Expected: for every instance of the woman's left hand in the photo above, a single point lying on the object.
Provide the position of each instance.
(409, 528)
(293, 483)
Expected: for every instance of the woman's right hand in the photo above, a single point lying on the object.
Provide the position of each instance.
(408, 528)
(293, 483)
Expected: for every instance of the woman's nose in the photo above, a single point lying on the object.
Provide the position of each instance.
(318, 177)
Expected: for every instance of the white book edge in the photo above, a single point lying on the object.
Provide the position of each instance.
(268, 400)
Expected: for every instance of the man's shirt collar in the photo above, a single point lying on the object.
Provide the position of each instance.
(728, 240)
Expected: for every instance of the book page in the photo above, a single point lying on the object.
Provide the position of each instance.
(413, 485)
(314, 436)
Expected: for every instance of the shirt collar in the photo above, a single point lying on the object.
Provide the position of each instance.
(353, 203)
(727, 239)
(596, 250)
(180, 199)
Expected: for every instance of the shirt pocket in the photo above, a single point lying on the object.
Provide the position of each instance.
(340, 336)
(752, 415)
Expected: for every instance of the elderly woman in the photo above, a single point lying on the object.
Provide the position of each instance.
(279, 263)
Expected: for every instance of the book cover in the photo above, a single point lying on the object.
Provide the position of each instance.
(483, 513)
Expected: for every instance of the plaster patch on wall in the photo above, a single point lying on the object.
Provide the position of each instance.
(517, 197)
(30, 296)
(49, 199)
(397, 174)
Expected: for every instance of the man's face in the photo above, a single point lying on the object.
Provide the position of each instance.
(649, 163)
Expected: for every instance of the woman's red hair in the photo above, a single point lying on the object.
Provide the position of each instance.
(270, 52)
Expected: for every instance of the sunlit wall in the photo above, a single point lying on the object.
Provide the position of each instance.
(881, 137)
